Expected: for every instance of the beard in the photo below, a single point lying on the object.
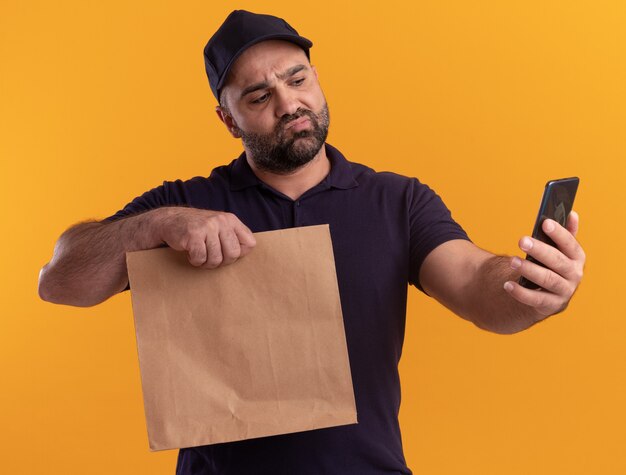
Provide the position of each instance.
(282, 151)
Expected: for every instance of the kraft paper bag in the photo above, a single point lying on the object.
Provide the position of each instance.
(252, 349)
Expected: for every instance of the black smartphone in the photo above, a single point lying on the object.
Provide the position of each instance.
(556, 204)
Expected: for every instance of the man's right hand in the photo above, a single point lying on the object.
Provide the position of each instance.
(210, 238)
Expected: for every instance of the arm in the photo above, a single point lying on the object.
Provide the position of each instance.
(482, 287)
(89, 261)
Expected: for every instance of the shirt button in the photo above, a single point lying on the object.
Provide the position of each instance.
(297, 203)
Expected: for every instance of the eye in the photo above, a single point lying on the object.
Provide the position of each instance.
(261, 99)
(298, 82)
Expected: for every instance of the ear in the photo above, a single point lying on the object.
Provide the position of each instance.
(314, 71)
(228, 121)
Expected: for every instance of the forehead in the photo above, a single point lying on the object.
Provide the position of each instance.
(263, 61)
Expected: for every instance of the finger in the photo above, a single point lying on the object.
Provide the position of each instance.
(548, 255)
(563, 238)
(545, 303)
(196, 253)
(245, 237)
(572, 223)
(231, 250)
(545, 278)
(214, 251)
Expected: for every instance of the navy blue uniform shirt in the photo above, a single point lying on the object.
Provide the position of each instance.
(382, 227)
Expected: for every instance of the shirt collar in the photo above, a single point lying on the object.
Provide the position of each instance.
(340, 176)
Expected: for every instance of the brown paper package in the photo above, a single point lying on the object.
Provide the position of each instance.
(252, 349)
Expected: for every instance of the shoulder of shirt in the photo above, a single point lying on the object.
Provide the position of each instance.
(367, 175)
(218, 174)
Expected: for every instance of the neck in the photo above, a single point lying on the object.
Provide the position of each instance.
(298, 182)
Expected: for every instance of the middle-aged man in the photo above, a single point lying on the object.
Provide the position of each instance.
(387, 231)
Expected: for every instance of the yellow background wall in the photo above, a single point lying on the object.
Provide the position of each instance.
(485, 101)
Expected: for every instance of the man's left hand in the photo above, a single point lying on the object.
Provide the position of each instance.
(562, 274)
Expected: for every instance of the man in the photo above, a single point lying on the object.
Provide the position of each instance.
(387, 231)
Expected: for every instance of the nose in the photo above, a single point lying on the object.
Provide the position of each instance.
(286, 101)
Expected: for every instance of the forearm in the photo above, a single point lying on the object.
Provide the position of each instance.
(471, 281)
(492, 308)
(89, 261)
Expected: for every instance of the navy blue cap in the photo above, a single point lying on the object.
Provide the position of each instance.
(240, 30)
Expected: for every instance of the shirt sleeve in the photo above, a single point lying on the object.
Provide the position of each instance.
(152, 199)
(430, 224)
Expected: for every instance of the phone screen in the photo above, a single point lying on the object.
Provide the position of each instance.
(556, 204)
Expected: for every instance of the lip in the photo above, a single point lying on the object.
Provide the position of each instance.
(299, 124)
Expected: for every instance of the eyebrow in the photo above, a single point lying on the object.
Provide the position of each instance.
(264, 84)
